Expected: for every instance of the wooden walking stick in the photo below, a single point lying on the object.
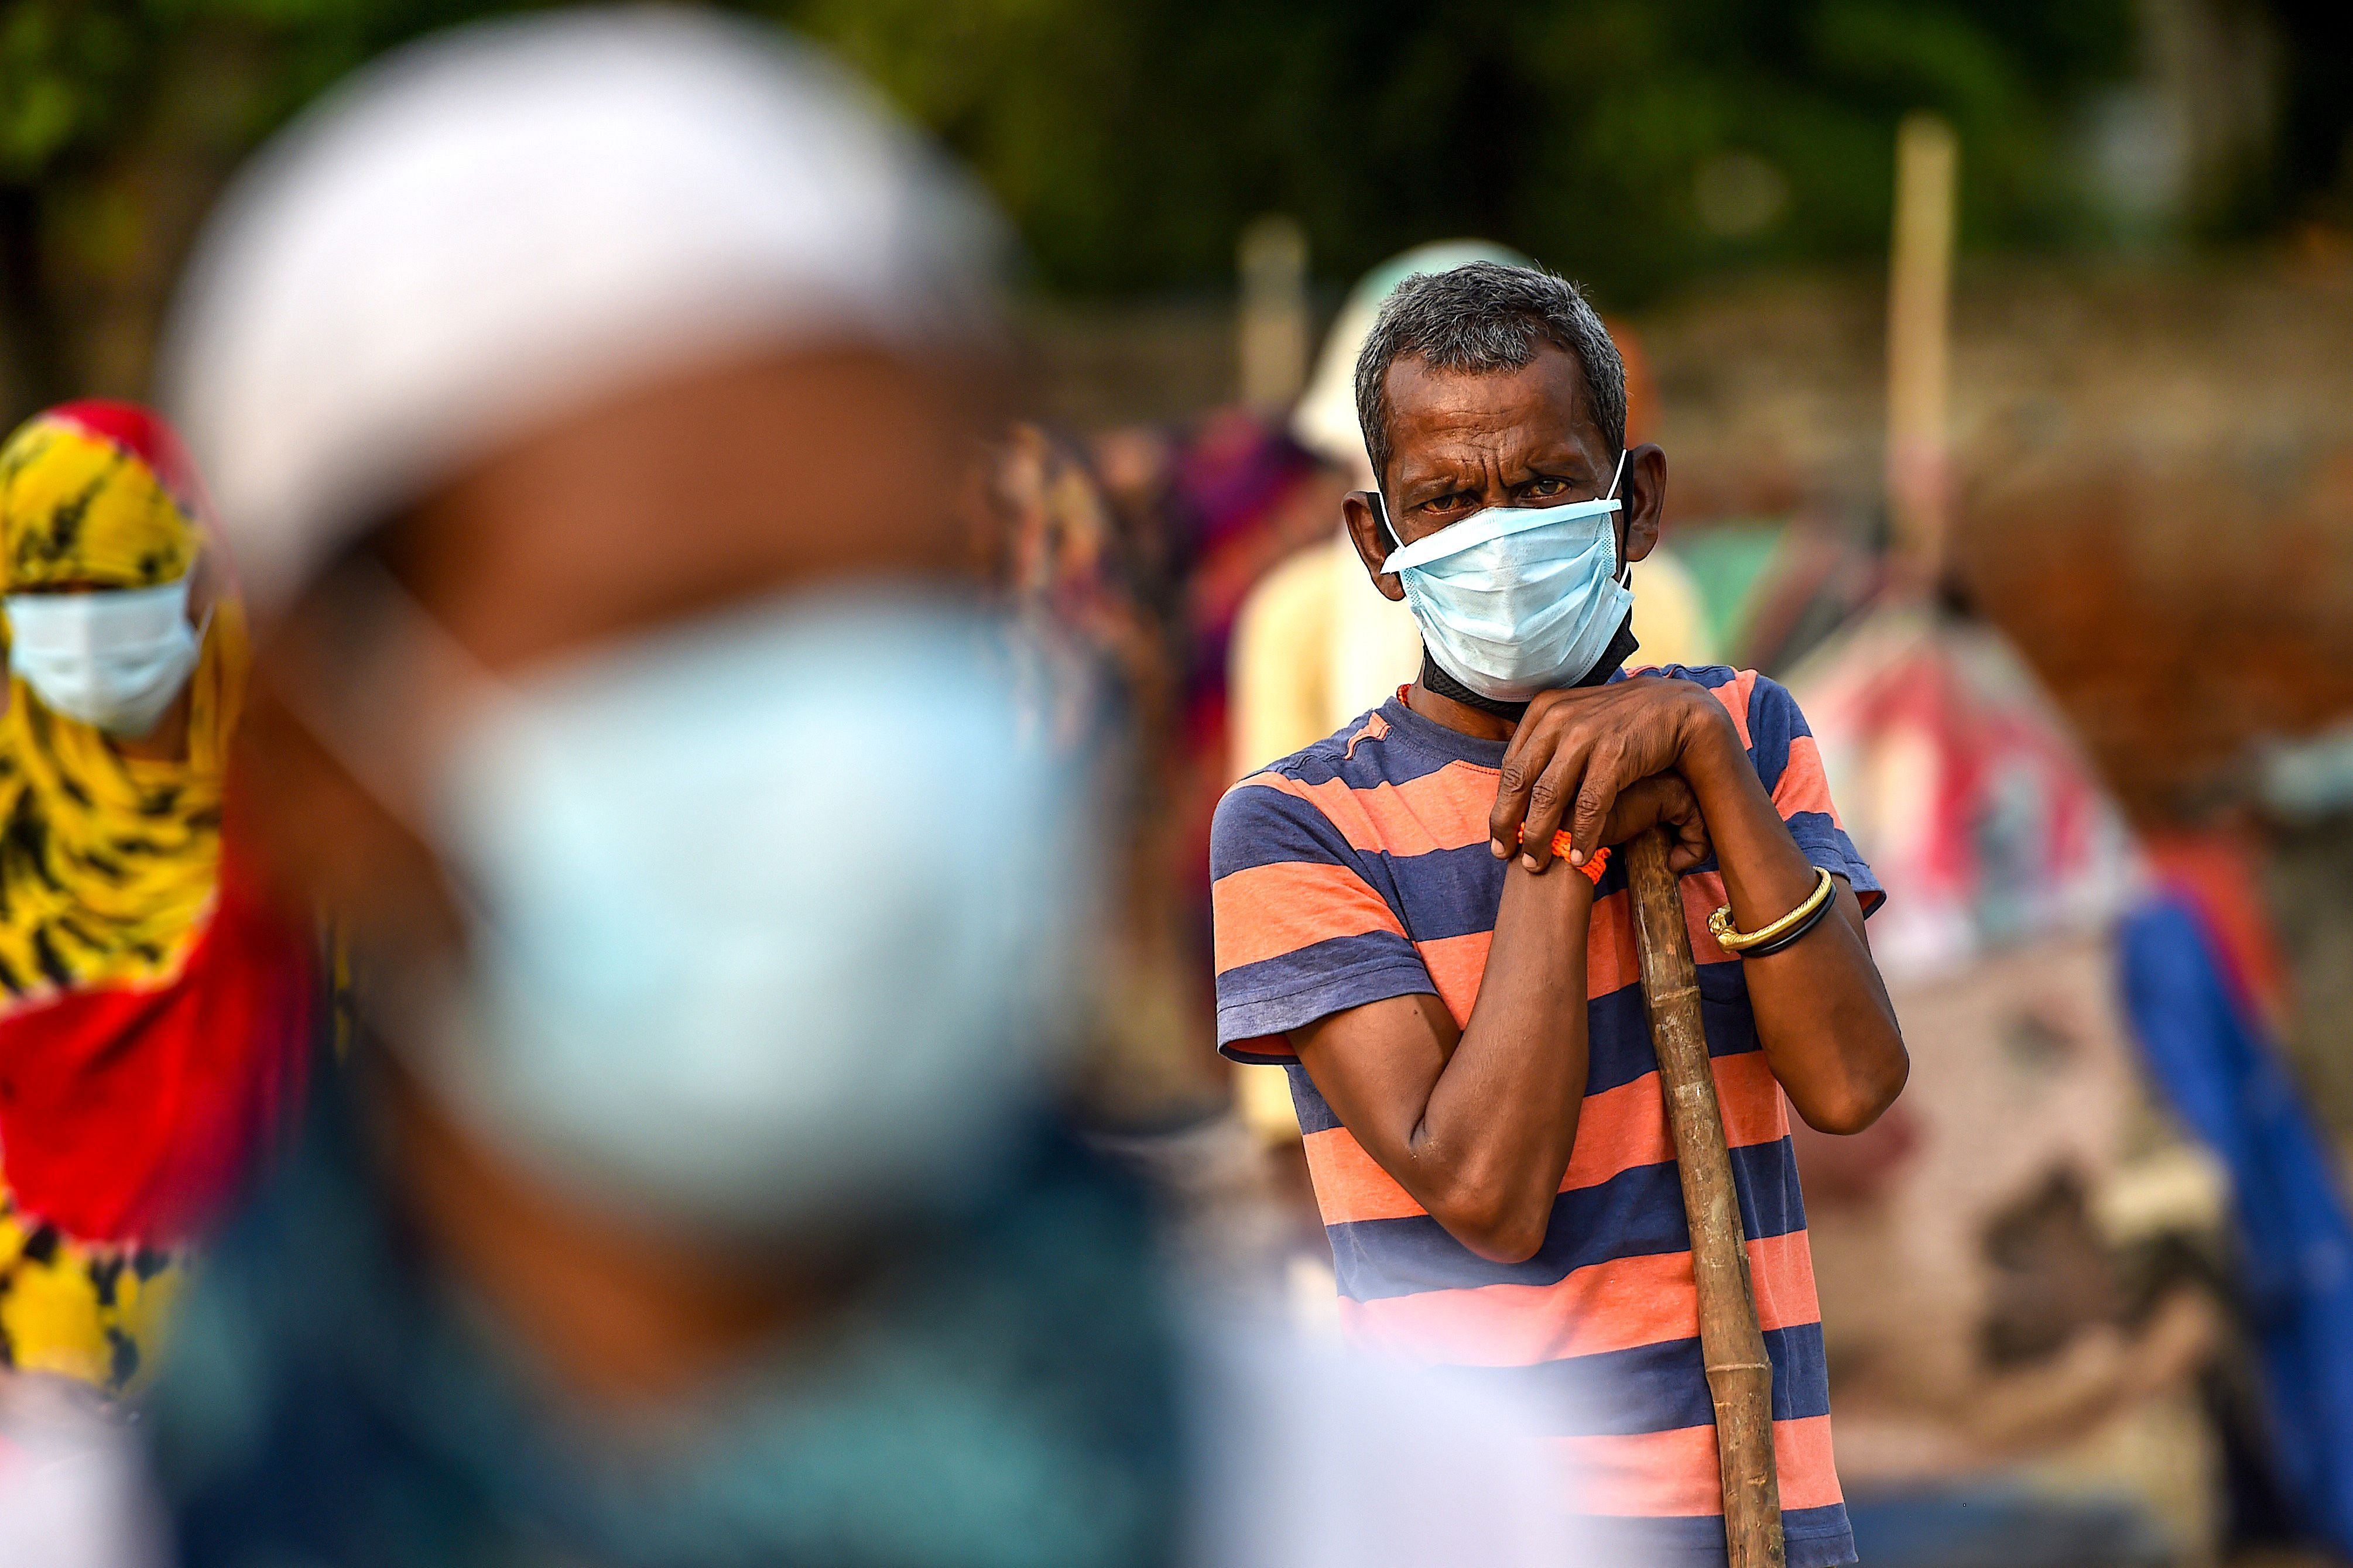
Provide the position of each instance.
(1739, 1373)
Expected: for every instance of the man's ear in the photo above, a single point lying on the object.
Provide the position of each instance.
(1644, 490)
(1372, 541)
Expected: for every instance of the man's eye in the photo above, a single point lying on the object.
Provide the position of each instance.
(1447, 503)
(1548, 487)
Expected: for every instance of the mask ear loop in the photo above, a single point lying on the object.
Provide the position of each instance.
(1626, 572)
(1381, 516)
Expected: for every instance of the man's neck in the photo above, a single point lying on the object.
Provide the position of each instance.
(1430, 695)
(1459, 717)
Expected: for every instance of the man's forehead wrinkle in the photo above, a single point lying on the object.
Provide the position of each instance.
(1473, 451)
(1471, 444)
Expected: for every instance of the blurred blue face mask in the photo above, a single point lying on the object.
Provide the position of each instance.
(769, 916)
(1516, 600)
(110, 657)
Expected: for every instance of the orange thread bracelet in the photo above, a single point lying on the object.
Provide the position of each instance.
(1562, 844)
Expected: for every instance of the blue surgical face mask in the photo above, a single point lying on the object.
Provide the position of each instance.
(1516, 600)
(110, 657)
(770, 917)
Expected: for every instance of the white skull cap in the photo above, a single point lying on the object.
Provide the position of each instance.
(505, 223)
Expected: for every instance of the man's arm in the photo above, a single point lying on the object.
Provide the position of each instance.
(1477, 1123)
(1822, 1013)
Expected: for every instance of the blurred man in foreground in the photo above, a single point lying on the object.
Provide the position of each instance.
(1420, 917)
(587, 395)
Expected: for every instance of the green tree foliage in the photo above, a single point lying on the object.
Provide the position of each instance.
(118, 120)
(1631, 143)
(1131, 141)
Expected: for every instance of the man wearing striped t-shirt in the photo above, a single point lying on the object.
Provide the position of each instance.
(1420, 918)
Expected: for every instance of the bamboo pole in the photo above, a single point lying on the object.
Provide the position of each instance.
(1272, 261)
(1919, 347)
(1739, 1373)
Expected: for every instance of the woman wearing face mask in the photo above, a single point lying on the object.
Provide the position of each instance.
(149, 1027)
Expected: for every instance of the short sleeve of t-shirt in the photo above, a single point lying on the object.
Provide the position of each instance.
(1790, 764)
(1301, 933)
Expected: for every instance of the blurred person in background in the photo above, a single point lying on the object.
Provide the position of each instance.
(1081, 576)
(153, 1033)
(588, 396)
(1462, 1016)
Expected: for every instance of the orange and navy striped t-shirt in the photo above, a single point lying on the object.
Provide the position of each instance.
(1359, 869)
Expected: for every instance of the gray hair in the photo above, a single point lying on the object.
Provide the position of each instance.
(1484, 317)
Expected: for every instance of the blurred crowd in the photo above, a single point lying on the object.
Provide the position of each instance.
(604, 920)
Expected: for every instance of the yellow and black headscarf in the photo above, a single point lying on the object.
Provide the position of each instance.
(107, 861)
(96, 494)
(109, 868)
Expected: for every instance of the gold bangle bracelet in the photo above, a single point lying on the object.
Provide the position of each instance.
(1719, 924)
